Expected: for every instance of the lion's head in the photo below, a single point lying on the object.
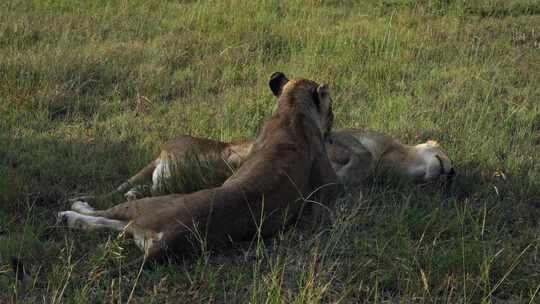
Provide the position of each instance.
(436, 160)
(305, 91)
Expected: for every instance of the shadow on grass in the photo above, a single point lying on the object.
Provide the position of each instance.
(38, 175)
(48, 170)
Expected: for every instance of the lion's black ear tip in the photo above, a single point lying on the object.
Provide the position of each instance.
(277, 81)
(277, 75)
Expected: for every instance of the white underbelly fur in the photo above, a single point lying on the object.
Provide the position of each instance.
(161, 172)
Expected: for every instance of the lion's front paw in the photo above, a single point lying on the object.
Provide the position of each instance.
(62, 218)
(82, 207)
(83, 198)
(74, 219)
(133, 194)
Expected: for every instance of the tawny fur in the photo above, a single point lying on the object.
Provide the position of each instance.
(353, 153)
(284, 165)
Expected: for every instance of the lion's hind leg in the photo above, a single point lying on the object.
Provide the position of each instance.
(133, 186)
(85, 217)
(148, 241)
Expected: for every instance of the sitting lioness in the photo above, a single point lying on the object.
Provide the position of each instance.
(286, 163)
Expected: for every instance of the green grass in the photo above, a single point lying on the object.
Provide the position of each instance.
(88, 89)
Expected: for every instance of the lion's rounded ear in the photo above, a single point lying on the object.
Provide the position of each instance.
(277, 81)
(323, 91)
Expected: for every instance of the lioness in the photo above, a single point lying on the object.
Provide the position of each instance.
(286, 163)
(353, 153)
(356, 153)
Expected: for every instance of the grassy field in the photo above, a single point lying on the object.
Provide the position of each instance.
(88, 89)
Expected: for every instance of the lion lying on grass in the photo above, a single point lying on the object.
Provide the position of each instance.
(353, 153)
(285, 165)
